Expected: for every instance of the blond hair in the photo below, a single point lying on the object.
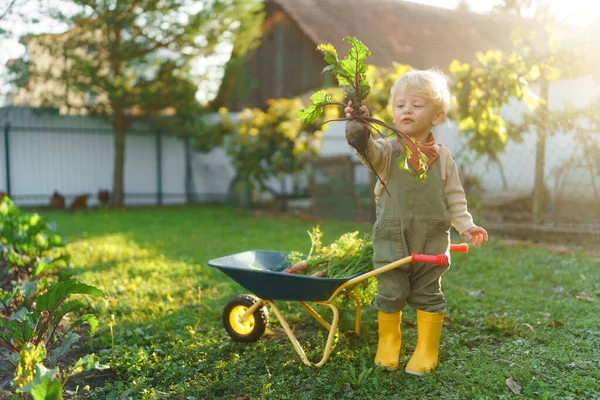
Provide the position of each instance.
(431, 84)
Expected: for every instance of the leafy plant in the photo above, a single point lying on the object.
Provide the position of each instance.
(42, 383)
(37, 331)
(358, 376)
(33, 327)
(29, 246)
(38, 318)
(349, 255)
(265, 143)
(351, 75)
(488, 84)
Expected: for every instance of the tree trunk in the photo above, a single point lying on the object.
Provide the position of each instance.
(539, 189)
(119, 122)
(119, 127)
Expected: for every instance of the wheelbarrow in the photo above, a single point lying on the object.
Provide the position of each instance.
(245, 317)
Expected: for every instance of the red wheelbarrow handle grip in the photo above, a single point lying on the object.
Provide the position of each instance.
(441, 259)
(461, 248)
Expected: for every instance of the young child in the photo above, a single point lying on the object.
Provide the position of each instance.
(415, 218)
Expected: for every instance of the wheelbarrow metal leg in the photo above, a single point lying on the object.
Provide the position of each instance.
(358, 311)
(331, 336)
(328, 345)
(315, 315)
(289, 333)
(251, 310)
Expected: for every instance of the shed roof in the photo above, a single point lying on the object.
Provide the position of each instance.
(400, 31)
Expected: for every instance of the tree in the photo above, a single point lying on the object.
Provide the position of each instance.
(14, 15)
(263, 144)
(134, 57)
(483, 87)
(12, 11)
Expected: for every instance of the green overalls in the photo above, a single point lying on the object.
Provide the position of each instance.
(414, 219)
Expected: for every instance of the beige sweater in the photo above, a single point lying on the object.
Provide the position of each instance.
(380, 154)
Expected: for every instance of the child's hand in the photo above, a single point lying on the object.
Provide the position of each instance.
(477, 234)
(348, 110)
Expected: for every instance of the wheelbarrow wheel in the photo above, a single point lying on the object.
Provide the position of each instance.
(253, 327)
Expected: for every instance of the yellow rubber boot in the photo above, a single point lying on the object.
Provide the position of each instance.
(425, 358)
(390, 340)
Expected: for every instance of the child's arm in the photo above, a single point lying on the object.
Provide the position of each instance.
(379, 151)
(457, 202)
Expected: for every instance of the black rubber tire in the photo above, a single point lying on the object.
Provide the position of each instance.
(261, 319)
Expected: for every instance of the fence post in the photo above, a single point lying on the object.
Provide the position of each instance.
(7, 157)
(159, 194)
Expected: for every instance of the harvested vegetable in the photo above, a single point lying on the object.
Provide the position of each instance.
(351, 74)
(297, 268)
(357, 135)
(349, 255)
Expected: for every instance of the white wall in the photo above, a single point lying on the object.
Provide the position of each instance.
(212, 174)
(173, 170)
(140, 180)
(70, 163)
(75, 163)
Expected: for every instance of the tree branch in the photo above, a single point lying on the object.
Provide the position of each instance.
(8, 9)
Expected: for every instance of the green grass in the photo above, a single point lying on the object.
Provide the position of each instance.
(504, 317)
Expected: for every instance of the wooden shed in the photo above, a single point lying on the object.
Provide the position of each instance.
(287, 64)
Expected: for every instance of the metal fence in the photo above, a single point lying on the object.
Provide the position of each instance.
(42, 153)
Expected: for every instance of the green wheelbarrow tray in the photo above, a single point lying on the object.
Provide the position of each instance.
(260, 272)
(245, 317)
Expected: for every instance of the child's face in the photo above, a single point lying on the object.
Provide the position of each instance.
(415, 115)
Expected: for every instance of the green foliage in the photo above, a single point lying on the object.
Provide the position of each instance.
(33, 327)
(484, 87)
(348, 255)
(136, 58)
(38, 333)
(29, 357)
(351, 74)
(44, 387)
(39, 318)
(29, 245)
(270, 143)
(42, 383)
(318, 100)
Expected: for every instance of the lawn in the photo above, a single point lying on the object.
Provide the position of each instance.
(516, 312)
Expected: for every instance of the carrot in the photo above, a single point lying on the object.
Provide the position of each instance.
(296, 268)
(320, 274)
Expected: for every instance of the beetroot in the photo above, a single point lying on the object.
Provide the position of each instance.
(357, 135)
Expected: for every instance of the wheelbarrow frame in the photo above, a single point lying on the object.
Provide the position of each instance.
(346, 289)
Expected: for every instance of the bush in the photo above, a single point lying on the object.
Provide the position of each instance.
(29, 246)
(34, 333)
